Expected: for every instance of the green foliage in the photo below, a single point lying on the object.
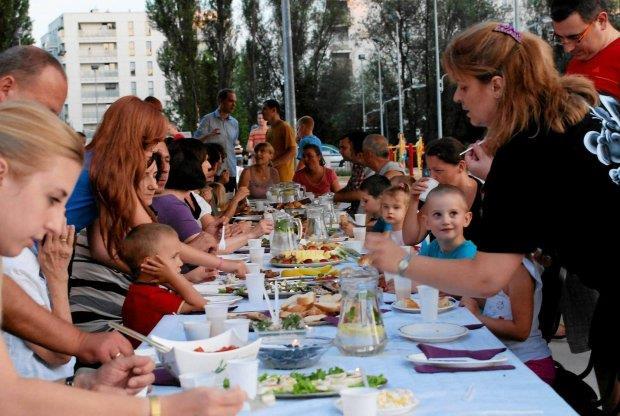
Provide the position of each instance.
(219, 37)
(15, 25)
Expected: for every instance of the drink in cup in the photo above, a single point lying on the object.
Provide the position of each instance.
(255, 283)
(216, 313)
(429, 302)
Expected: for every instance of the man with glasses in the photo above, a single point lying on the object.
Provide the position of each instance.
(584, 30)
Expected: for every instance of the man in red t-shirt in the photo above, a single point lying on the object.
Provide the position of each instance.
(584, 30)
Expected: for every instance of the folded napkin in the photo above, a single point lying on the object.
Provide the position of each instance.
(474, 326)
(430, 369)
(436, 352)
(164, 378)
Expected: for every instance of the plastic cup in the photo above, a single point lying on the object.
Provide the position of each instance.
(255, 283)
(429, 302)
(244, 373)
(402, 287)
(192, 380)
(195, 330)
(430, 185)
(359, 401)
(216, 313)
(260, 205)
(254, 243)
(354, 245)
(360, 219)
(240, 327)
(252, 268)
(256, 255)
(359, 233)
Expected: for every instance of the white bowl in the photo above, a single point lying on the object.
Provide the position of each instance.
(182, 359)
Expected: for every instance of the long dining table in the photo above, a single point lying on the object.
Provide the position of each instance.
(515, 392)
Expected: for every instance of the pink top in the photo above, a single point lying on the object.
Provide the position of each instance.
(320, 188)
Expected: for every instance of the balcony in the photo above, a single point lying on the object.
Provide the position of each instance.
(104, 96)
(91, 118)
(98, 53)
(97, 33)
(102, 76)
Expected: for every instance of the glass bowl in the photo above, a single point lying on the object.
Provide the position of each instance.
(289, 353)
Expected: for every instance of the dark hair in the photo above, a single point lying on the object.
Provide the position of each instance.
(587, 9)
(447, 149)
(444, 189)
(223, 94)
(159, 161)
(317, 150)
(27, 62)
(186, 159)
(271, 103)
(157, 105)
(215, 153)
(142, 242)
(375, 185)
(356, 137)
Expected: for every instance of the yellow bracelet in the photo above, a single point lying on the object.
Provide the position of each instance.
(155, 405)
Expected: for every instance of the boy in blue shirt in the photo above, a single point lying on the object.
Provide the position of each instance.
(305, 135)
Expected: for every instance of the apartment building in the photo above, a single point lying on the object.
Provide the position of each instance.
(106, 55)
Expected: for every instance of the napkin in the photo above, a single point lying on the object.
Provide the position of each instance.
(164, 378)
(437, 352)
(474, 326)
(430, 369)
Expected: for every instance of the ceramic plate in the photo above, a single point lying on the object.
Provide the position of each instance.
(432, 332)
(230, 299)
(463, 362)
(387, 412)
(209, 288)
(237, 257)
(248, 217)
(399, 306)
(291, 265)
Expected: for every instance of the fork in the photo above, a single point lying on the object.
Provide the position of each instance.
(222, 245)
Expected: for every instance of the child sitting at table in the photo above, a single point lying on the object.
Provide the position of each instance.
(512, 314)
(152, 253)
(394, 204)
(371, 189)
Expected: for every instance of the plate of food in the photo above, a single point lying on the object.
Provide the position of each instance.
(286, 289)
(307, 258)
(445, 303)
(256, 217)
(320, 383)
(235, 257)
(311, 308)
(391, 402)
(324, 273)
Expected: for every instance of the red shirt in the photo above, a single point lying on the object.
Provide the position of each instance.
(603, 68)
(145, 305)
(320, 188)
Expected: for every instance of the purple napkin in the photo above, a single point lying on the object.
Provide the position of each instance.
(164, 378)
(430, 369)
(437, 352)
(474, 326)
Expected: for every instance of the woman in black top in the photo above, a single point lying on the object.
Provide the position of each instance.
(445, 161)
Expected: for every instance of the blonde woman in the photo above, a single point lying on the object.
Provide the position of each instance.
(40, 159)
(260, 176)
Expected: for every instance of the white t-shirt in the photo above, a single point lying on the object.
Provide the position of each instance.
(24, 270)
(205, 208)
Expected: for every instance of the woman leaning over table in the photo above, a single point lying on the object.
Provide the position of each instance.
(37, 173)
(536, 121)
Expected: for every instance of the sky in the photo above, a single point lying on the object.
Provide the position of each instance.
(43, 12)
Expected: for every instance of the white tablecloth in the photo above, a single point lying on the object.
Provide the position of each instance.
(517, 392)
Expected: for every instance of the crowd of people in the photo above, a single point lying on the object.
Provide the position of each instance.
(118, 231)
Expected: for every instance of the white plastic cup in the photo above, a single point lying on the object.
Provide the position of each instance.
(254, 242)
(216, 313)
(360, 220)
(354, 245)
(252, 268)
(260, 205)
(429, 302)
(192, 380)
(430, 185)
(402, 288)
(244, 373)
(255, 283)
(256, 255)
(240, 327)
(359, 233)
(359, 401)
(196, 330)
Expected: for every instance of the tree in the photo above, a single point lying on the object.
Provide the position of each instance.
(190, 72)
(15, 25)
(219, 36)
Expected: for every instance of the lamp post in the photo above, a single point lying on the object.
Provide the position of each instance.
(516, 11)
(289, 75)
(438, 78)
(380, 92)
(95, 67)
(400, 75)
(362, 58)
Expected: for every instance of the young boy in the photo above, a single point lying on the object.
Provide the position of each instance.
(152, 252)
(371, 189)
(394, 204)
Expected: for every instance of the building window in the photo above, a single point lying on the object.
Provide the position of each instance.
(132, 48)
(149, 66)
(130, 28)
(149, 47)
(132, 69)
(151, 88)
(134, 89)
(147, 28)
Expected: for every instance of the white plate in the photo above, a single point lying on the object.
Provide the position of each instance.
(464, 362)
(209, 288)
(399, 306)
(432, 332)
(292, 265)
(230, 299)
(248, 217)
(237, 257)
(387, 412)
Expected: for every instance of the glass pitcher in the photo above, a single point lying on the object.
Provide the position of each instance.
(360, 328)
(327, 202)
(315, 228)
(285, 237)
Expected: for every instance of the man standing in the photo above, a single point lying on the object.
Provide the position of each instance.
(583, 28)
(282, 137)
(375, 156)
(222, 128)
(351, 151)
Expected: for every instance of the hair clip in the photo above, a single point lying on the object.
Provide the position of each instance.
(507, 29)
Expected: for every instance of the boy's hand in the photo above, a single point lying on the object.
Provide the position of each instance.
(472, 305)
(163, 270)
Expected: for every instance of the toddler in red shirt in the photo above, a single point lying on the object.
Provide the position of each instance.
(152, 252)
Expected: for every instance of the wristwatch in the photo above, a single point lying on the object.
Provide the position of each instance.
(404, 263)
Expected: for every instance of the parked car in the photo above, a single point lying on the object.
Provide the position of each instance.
(332, 156)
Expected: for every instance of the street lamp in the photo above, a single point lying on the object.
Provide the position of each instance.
(439, 79)
(400, 74)
(95, 67)
(362, 58)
